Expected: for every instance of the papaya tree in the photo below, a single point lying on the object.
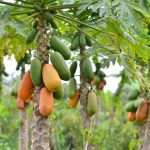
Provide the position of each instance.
(123, 44)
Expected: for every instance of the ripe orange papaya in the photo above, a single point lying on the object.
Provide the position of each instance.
(101, 86)
(142, 111)
(46, 102)
(51, 78)
(104, 81)
(132, 116)
(19, 103)
(29, 99)
(26, 87)
(74, 101)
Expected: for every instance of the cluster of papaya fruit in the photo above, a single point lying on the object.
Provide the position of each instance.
(80, 39)
(96, 78)
(47, 76)
(73, 92)
(49, 19)
(138, 108)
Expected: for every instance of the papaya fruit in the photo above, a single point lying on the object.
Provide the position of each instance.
(88, 41)
(46, 102)
(51, 78)
(91, 103)
(26, 86)
(101, 86)
(132, 116)
(87, 69)
(54, 25)
(75, 43)
(73, 68)
(72, 87)
(104, 81)
(37, 8)
(60, 65)
(50, 19)
(35, 24)
(142, 111)
(36, 71)
(65, 87)
(82, 39)
(133, 94)
(96, 80)
(31, 35)
(19, 103)
(137, 102)
(130, 106)
(101, 74)
(74, 101)
(58, 46)
(59, 93)
(29, 99)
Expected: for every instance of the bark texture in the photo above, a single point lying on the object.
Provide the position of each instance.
(40, 124)
(144, 135)
(84, 89)
(23, 130)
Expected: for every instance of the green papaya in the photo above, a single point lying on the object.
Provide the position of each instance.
(58, 46)
(65, 87)
(87, 69)
(60, 65)
(82, 39)
(101, 74)
(96, 80)
(75, 43)
(88, 41)
(73, 68)
(36, 71)
(35, 24)
(92, 103)
(37, 8)
(59, 93)
(49, 18)
(31, 36)
(133, 94)
(130, 106)
(72, 87)
(137, 102)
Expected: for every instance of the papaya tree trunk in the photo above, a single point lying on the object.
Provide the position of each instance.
(23, 129)
(144, 134)
(40, 124)
(84, 89)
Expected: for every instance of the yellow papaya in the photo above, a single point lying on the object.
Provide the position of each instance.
(92, 103)
(51, 78)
